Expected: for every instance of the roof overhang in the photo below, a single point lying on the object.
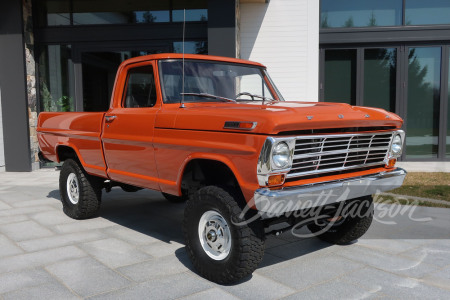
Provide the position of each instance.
(254, 1)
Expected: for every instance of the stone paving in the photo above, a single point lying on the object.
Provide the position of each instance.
(135, 250)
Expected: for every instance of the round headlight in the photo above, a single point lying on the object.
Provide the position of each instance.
(397, 145)
(281, 155)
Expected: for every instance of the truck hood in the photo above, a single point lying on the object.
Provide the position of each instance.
(274, 118)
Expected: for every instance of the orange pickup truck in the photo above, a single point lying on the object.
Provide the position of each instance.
(216, 132)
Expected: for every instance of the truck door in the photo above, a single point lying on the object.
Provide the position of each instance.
(128, 129)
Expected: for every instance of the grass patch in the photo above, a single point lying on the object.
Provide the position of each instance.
(388, 199)
(426, 185)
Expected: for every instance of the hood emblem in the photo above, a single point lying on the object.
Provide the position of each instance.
(387, 117)
(309, 117)
(341, 116)
(367, 116)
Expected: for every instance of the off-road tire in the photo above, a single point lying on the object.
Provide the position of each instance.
(247, 241)
(90, 191)
(174, 199)
(351, 229)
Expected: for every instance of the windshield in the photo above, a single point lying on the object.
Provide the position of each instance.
(207, 81)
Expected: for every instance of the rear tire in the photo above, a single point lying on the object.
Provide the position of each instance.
(221, 250)
(80, 192)
(351, 228)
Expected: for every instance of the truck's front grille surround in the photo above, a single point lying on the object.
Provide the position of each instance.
(323, 154)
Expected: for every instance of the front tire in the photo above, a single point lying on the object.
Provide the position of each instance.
(220, 249)
(351, 227)
(80, 192)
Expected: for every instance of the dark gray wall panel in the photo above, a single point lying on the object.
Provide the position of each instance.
(222, 28)
(13, 88)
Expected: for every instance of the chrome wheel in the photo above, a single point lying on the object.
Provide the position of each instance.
(73, 188)
(215, 235)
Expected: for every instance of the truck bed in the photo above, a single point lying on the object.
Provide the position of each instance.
(80, 131)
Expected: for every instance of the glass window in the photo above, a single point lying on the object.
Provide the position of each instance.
(215, 78)
(141, 90)
(340, 76)
(56, 86)
(120, 12)
(191, 15)
(91, 12)
(152, 16)
(253, 84)
(419, 12)
(448, 121)
(423, 102)
(200, 47)
(360, 13)
(196, 10)
(54, 12)
(380, 72)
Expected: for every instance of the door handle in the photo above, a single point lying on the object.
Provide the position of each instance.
(109, 119)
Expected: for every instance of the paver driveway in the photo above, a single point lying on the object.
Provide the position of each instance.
(135, 250)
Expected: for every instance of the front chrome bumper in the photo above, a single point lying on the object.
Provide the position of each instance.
(271, 203)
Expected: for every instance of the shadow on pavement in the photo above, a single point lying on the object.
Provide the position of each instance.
(149, 213)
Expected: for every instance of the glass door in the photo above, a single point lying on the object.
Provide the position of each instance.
(412, 81)
(423, 102)
(340, 76)
(96, 71)
(380, 78)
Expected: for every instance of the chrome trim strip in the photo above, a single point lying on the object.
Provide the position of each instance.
(272, 203)
(307, 137)
(331, 170)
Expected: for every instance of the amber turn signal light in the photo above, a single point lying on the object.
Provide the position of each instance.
(391, 163)
(275, 180)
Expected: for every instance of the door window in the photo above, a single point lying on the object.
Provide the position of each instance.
(141, 90)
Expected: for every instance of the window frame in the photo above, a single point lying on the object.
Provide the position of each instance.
(125, 89)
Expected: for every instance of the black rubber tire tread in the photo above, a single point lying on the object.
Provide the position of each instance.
(351, 230)
(174, 199)
(247, 248)
(90, 191)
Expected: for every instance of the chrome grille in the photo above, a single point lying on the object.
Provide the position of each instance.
(333, 153)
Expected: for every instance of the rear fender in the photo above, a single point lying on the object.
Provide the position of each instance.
(91, 169)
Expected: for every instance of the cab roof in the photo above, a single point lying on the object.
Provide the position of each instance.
(189, 56)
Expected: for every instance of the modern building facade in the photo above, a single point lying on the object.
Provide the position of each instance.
(61, 55)
(392, 54)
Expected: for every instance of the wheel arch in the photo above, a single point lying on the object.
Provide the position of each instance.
(202, 170)
(64, 152)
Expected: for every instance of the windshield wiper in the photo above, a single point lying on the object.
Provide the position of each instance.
(206, 95)
(253, 96)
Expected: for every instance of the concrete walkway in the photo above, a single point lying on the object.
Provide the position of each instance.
(429, 166)
(135, 250)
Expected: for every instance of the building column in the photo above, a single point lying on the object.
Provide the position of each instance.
(13, 88)
(222, 28)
